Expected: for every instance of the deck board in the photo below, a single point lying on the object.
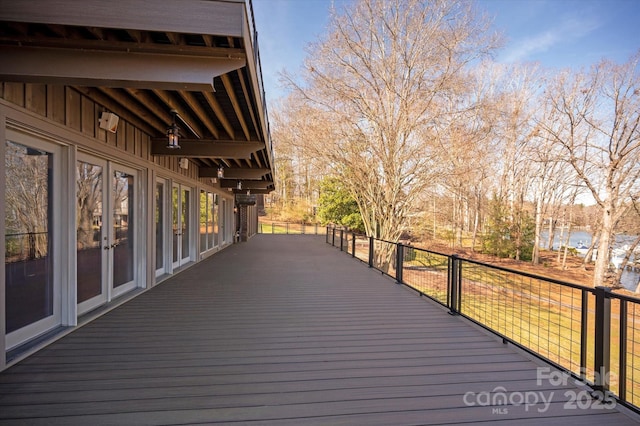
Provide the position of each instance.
(281, 330)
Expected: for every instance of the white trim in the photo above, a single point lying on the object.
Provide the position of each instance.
(69, 276)
(28, 332)
(3, 308)
(73, 144)
(137, 211)
(182, 259)
(102, 298)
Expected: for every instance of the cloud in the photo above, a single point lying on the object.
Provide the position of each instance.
(566, 32)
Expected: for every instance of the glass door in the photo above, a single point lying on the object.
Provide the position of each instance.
(181, 202)
(32, 251)
(92, 236)
(105, 212)
(123, 229)
(160, 225)
(223, 222)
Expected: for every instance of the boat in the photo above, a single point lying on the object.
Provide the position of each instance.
(582, 248)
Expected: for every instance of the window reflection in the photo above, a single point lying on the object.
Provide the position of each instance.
(28, 235)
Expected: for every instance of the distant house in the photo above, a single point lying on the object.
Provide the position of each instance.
(99, 201)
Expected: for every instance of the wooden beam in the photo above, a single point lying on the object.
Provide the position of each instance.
(254, 191)
(113, 69)
(145, 98)
(217, 110)
(234, 173)
(206, 148)
(104, 43)
(184, 114)
(228, 86)
(195, 106)
(246, 184)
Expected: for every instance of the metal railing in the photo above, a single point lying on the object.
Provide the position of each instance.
(592, 334)
(291, 228)
(26, 246)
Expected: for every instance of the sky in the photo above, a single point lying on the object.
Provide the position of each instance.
(556, 33)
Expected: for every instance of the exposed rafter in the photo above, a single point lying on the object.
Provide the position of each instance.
(141, 67)
(199, 111)
(226, 81)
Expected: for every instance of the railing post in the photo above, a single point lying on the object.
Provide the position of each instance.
(333, 237)
(287, 227)
(399, 262)
(622, 369)
(602, 338)
(584, 334)
(353, 244)
(370, 252)
(341, 239)
(454, 284)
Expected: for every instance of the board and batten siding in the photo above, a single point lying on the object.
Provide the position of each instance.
(67, 106)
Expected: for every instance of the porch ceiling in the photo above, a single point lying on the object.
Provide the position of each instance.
(141, 59)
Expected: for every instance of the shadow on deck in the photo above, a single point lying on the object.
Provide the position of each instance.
(285, 330)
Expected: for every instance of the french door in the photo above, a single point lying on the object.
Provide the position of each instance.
(181, 224)
(106, 231)
(161, 226)
(32, 199)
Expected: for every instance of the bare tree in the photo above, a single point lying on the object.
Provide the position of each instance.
(378, 81)
(27, 197)
(516, 89)
(595, 118)
(89, 200)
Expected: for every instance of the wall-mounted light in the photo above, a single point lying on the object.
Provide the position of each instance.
(248, 192)
(220, 172)
(173, 132)
(239, 187)
(183, 163)
(214, 180)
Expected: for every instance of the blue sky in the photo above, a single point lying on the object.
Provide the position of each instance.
(555, 33)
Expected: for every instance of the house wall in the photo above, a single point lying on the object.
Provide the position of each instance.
(67, 119)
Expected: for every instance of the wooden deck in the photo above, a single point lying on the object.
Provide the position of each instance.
(282, 330)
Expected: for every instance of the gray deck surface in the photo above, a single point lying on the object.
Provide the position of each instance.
(281, 330)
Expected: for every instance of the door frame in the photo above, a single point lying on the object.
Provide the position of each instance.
(110, 166)
(103, 297)
(182, 260)
(30, 331)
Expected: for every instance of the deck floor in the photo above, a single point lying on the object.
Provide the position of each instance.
(283, 330)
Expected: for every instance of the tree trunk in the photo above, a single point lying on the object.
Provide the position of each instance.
(535, 257)
(606, 231)
(552, 230)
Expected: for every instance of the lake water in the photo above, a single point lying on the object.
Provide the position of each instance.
(629, 278)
